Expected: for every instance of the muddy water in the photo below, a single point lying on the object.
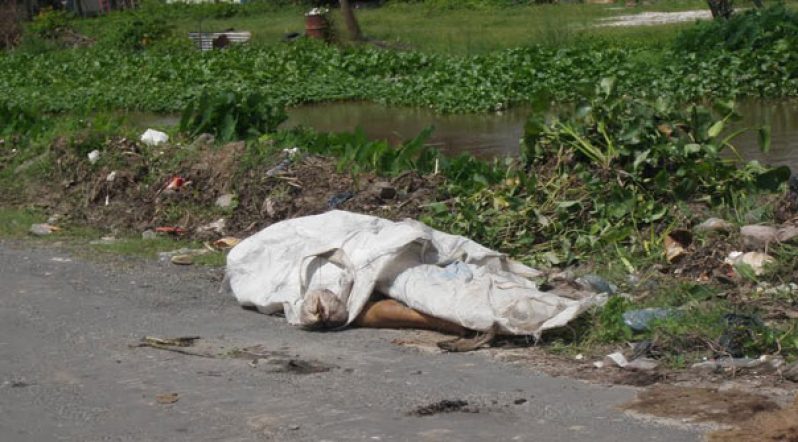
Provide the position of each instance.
(494, 135)
(497, 135)
(484, 135)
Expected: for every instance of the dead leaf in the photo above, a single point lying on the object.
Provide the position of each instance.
(676, 244)
(228, 242)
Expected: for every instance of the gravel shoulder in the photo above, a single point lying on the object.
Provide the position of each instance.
(68, 372)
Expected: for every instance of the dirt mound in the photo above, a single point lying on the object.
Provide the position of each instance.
(133, 187)
(780, 425)
(701, 404)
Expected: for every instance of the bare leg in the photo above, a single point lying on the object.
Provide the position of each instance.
(389, 313)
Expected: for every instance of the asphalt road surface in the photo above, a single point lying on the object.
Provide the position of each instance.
(68, 371)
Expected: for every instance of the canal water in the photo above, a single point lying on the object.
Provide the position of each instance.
(499, 134)
(492, 135)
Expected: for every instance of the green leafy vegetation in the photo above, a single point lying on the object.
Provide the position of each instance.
(232, 115)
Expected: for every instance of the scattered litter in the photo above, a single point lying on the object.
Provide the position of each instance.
(57, 259)
(728, 363)
(170, 230)
(225, 201)
(444, 406)
(176, 345)
(43, 229)
(639, 320)
(616, 358)
(111, 177)
(94, 156)
(228, 242)
(152, 137)
(676, 244)
(579, 357)
(279, 168)
(175, 183)
(596, 284)
(757, 261)
(642, 364)
(291, 152)
(149, 234)
(714, 225)
(339, 198)
(182, 260)
(167, 398)
(217, 227)
(759, 236)
(183, 253)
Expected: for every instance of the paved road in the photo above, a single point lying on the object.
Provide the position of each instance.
(67, 371)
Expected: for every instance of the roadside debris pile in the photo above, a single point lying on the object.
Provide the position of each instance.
(209, 193)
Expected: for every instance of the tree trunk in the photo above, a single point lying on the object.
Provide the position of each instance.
(721, 9)
(351, 22)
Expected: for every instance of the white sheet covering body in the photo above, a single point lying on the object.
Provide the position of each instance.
(352, 255)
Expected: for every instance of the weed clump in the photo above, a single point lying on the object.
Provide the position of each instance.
(232, 115)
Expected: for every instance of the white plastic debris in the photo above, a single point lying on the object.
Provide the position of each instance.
(291, 152)
(42, 229)
(317, 11)
(111, 177)
(756, 260)
(217, 226)
(152, 137)
(94, 156)
(616, 358)
(352, 256)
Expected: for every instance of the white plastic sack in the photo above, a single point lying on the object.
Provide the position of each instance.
(352, 255)
(152, 137)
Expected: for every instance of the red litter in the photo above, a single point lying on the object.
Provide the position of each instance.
(176, 183)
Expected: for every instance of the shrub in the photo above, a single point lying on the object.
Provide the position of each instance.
(753, 29)
(232, 115)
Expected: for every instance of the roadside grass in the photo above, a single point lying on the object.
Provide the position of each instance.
(15, 224)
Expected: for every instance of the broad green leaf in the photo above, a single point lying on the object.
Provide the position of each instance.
(716, 129)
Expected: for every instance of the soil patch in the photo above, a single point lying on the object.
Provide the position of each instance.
(701, 404)
(444, 406)
(300, 366)
(780, 425)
